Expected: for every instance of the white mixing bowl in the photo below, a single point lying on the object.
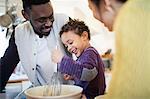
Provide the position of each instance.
(67, 92)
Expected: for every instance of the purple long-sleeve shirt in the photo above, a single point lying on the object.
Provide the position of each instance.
(88, 60)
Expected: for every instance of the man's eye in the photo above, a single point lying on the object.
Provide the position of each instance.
(41, 20)
(51, 18)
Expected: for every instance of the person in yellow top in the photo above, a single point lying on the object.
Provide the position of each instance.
(131, 67)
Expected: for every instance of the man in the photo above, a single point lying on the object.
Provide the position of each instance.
(32, 42)
(130, 21)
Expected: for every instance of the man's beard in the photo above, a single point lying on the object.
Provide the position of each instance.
(41, 34)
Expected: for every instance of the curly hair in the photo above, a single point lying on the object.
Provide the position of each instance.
(77, 26)
(28, 3)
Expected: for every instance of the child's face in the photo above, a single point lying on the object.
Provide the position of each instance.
(75, 43)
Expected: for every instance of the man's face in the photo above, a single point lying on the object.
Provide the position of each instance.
(41, 18)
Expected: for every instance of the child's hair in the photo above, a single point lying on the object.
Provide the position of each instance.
(77, 26)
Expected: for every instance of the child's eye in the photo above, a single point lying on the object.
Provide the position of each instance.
(70, 43)
(66, 46)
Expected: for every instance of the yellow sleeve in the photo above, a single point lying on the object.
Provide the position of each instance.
(131, 65)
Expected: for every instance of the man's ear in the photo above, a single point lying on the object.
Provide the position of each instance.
(25, 15)
(108, 5)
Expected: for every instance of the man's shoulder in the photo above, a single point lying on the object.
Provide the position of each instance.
(23, 25)
(60, 15)
(60, 18)
(23, 29)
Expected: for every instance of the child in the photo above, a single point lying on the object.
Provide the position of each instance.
(88, 70)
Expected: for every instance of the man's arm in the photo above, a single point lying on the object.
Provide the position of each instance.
(8, 62)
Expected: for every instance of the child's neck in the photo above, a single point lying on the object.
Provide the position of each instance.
(87, 45)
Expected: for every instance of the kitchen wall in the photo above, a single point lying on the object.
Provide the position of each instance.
(102, 39)
(2, 6)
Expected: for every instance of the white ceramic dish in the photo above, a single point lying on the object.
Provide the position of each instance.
(100, 97)
(68, 92)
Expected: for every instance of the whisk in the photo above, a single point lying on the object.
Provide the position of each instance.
(54, 86)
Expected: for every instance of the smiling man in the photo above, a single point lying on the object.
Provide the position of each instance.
(32, 42)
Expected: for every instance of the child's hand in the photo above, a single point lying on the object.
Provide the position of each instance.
(56, 56)
(68, 77)
(83, 96)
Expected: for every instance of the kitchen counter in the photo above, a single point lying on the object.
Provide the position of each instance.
(13, 89)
